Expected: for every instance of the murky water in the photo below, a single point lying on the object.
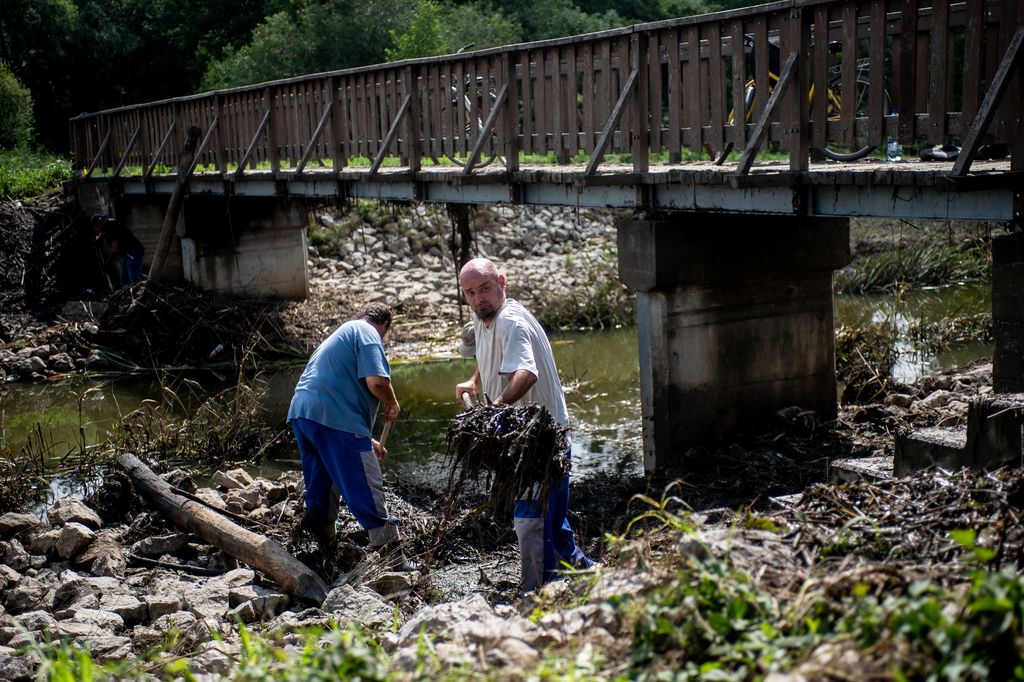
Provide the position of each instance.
(600, 368)
(928, 305)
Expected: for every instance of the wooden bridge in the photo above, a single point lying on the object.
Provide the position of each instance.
(736, 319)
(921, 69)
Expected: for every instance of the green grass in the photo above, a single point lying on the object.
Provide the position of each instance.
(922, 264)
(28, 172)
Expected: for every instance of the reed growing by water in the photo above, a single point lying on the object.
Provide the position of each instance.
(921, 264)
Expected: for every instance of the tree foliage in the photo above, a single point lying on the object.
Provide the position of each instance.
(15, 110)
(423, 39)
(317, 37)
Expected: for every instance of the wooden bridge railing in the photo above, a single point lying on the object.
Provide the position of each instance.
(934, 69)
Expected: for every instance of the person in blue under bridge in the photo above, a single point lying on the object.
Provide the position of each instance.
(123, 244)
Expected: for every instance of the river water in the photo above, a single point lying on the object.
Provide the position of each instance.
(600, 368)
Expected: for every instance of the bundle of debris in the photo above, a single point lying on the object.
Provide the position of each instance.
(522, 449)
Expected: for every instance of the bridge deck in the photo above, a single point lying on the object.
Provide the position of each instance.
(865, 188)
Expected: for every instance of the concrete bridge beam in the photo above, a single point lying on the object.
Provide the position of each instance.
(735, 321)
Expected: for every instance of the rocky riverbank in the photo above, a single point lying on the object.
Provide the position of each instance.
(115, 577)
(112, 574)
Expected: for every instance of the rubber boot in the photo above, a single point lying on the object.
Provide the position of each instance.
(530, 532)
(388, 543)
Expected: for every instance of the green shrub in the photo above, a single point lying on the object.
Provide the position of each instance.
(25, 172)
(15, 110)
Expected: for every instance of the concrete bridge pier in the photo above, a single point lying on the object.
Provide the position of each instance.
(222, 244)
(254, 246)
(735, 319)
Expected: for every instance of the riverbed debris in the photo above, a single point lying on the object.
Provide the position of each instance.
(521, 449)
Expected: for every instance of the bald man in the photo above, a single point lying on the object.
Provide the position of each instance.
(515, 367)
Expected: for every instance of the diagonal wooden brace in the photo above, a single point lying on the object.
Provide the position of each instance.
(202, 147)
(252, 145)
(124, 158)
(487, 129)
(392, 133)
(609, 127)
(774, 102)
(160, 151)
(988, 107)
(316, 136)
(96, 159)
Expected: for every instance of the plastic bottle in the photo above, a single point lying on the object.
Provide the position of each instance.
(216, 351)
(893, 149)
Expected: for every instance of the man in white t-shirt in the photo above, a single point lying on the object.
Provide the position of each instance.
(515, 367)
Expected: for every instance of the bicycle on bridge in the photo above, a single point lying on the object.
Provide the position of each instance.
(836, 100)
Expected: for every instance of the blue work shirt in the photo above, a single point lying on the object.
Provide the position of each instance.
(332, 389)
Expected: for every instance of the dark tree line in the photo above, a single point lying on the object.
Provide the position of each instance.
(85, 55)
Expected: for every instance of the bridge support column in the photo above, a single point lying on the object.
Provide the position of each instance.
(735, 321)
(254, 246)
(1008, 313)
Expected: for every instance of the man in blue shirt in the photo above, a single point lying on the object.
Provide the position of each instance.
(332, 415)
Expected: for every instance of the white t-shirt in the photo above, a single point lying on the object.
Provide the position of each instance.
(515, 341)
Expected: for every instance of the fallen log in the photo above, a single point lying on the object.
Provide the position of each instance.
(250, 548)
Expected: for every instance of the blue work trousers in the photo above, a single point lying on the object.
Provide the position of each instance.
(131, 266)
(545, 540)
(338, 462)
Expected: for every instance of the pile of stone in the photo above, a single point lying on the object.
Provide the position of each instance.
(74, 578)
(949, 391)
(508, 234)
(70, 578)
(540, 250)
(40, 362)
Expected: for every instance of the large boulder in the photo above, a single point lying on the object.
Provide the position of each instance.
(14, 555)
(361, 605)
(28, 595)
(70, 510)
(74, 537)
(104, 556)
(41, 540)
(14, 522)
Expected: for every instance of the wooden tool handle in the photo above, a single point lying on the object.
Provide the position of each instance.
(467, 401)
(384, 435)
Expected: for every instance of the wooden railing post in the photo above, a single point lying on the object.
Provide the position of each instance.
(876, 80)
(410, 88)
(907, 70)
(641, 124)
(510, 117)
(333, 100)
(273, 134)
(796, 123)
(938, 72)
(222, 122)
